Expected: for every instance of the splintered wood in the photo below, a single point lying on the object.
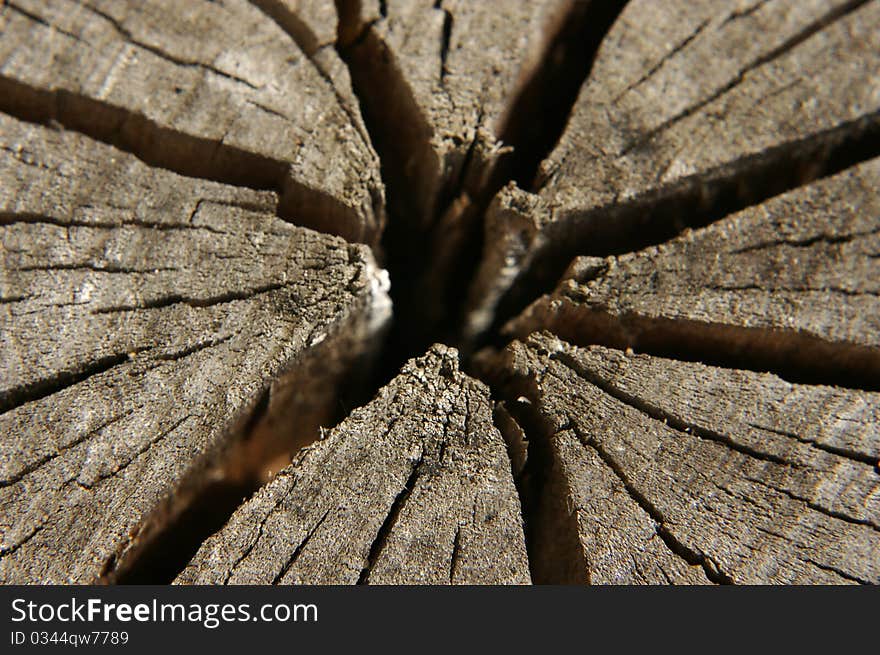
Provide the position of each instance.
(449, 70)
(652, 229)
(438, 81)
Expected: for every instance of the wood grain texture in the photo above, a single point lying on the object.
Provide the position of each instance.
(318, 25)
(450, 70)
(414, 487)
(685, 103)
(214, 90)
(669, 471)
(313, 25)
(793, 283)
(143, 316)
(191, 210)
(437, 82)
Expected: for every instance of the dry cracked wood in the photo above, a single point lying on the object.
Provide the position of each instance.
(144, 316)
(664, 471)
(414, 487)
(316, 27)
(792, 284)
(684, 109)
(215, 90)
(450, 70)
(450, 75)
(167, 339)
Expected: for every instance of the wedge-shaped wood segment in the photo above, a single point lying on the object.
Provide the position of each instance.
(204, 89)
(143, 316)
(667, 471)
(790, 285)
(686, 113)
(414, 487)
(449, 71)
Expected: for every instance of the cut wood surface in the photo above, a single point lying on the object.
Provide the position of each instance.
(216, 90)
(793, 283)
(143, 316)
(666, 471)
(414, 487)
(313, 26)
(643, 237)
(685, 109)
(450, 71)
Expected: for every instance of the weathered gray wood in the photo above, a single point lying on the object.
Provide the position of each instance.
(667, 471)
(161, 333)
(317, 25)
(143, 314)
(206, 89)
(313, 25)
(792, 283)
(437, 81)
(683, 99)
(449, 70)
(414, 487)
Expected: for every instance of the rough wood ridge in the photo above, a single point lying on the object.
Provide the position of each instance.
(643, 241)
(421, 491)
(791, 284)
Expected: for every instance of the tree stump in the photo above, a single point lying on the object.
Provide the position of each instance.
(420, 292)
